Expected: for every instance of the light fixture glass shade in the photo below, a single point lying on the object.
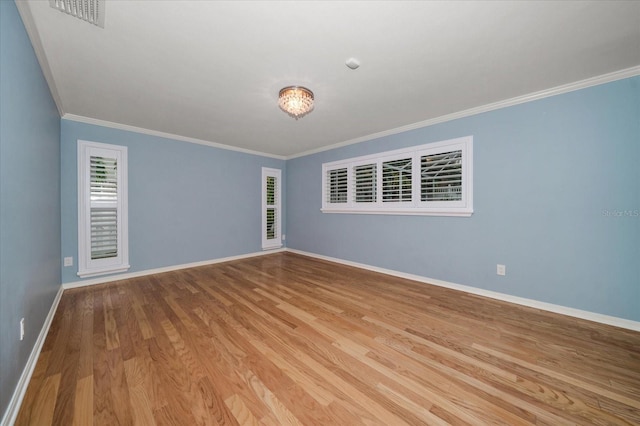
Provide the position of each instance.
(297, 101)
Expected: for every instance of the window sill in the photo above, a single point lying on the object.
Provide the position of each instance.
(88, 273)
(273, 247)
(410, 212)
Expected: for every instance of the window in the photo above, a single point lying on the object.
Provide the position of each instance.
(365, 180)
(338, 186)
(441, 176)
(271, 218)
(396, 180)
(432, 179)
(102, 209)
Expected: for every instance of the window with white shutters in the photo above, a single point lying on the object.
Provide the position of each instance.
(432, 179)
(396, 180)
(103, 195)
(102, 212)
(271, 208)
(441, 176)
(337, 185)
(365, 182)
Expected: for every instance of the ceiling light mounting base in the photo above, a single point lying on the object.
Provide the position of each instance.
(352, 63)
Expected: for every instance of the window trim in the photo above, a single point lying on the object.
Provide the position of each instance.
(462, 208)
(274, 243)
(88, 267)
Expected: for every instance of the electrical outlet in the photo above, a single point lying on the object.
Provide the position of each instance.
(68, 261)
(284, 237)
(501, 270)
(22, 329)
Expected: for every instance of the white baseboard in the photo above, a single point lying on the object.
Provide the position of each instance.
(118, 277)
(21, 388)
(16, 400)
(558, 309)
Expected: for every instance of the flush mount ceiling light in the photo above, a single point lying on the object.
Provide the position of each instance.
(297, 101)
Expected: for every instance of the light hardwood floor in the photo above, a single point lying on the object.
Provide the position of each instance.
(285, 339)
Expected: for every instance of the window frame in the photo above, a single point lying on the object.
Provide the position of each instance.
(88, 267)
(276, 242)
(414, 206)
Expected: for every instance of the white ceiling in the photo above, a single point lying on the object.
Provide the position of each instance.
(211, 70)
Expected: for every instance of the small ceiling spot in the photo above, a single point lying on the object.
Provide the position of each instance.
(353, 63)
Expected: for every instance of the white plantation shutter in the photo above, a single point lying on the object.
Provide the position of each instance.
(272, 228)
(441, 176)
(271, 207)
(337, 185)
(102, 212)
(104, 233)
(365, 183)
(104, 207)
(396, 180)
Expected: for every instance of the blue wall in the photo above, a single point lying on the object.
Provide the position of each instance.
(545, 175)
(551, 178)
(29, 199)
(187, 202)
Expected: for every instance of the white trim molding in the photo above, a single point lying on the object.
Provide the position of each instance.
(118, 277)
(27, 18)
(558, 90)
(128, 128)
(549, 307)
(13, 408)
(16, 400)
(21, 388)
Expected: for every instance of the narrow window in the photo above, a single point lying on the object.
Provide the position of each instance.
(102, 209)
(337, 185)
(271, 209)
(365, 183)
(103, 194)
(441, 176)
(396, 180)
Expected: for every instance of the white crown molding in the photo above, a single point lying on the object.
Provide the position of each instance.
(27, 18)
(21, 388)
(550, 307)
(583, 84)
(34, 36)
(126, 127)
(118, 277)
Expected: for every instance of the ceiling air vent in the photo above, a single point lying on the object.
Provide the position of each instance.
(91, 11)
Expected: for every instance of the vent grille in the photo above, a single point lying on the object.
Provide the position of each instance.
(91, 11)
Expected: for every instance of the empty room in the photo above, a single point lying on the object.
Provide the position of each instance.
(319, 212)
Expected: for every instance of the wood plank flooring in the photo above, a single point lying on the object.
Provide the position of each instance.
(285, 339)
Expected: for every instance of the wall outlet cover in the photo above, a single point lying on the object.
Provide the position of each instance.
(501, 270)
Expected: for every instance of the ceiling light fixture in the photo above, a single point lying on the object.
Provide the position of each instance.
(297, 101)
